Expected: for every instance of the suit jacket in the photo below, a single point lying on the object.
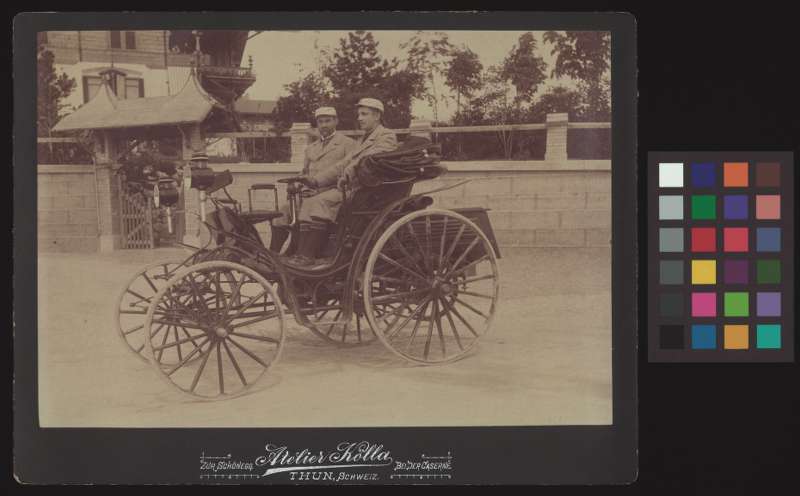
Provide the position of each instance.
(319, 158)
(379, 140)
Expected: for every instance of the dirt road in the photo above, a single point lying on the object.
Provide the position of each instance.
(547, 360)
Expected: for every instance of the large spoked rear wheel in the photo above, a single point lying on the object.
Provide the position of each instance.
(431, 286)
(134, 300)
(232, 329)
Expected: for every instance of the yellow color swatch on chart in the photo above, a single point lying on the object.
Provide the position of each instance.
(704, 271)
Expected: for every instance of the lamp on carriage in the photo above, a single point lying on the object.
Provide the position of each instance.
(200, 178)
(166, 193)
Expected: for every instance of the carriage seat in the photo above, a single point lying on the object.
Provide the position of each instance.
(256, 216)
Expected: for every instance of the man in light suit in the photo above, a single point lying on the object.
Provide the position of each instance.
(321, 209)
(320, 156)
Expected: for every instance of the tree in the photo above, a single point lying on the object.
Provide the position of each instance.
(305, 96)
(357, 64)
(499, 107)
(356, 70)
(524, 69)
(557, 99)
(52, 89)
(463, 74)
(586, 57)
(428, 54)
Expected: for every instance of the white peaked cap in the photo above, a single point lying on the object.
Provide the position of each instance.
(372, 103)
(325, 111)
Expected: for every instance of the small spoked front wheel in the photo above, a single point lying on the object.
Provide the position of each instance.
(431, 286)
(133, 302)
(232, 329)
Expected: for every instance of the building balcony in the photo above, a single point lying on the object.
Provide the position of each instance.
(226, 83)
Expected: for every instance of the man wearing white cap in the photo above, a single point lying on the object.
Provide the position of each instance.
(321, 155)
(322, 208)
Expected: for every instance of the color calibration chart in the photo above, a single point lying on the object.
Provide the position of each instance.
(721, 255)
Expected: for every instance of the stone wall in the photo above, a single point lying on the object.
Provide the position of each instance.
(532, 203)
(67, 217)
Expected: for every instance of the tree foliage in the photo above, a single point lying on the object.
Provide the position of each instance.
(524, 69)
(304, 96)
(586, 57)
(354, 71)
(51, 91)
(463, 74)
(428, 54)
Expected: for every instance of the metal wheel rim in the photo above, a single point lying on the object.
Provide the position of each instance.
(125, 333)
(370, 266)
(163, 374)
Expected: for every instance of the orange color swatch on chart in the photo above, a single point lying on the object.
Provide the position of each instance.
(735, 174)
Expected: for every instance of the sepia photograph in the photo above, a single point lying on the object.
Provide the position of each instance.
(330, 228)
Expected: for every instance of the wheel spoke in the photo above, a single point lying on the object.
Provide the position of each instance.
(479, 295)
(235, 363)
(180, 354)
(441, 247)
(253, 321)
(461, 318)
(141, 298)
(133, 330)
(438, 318)
(475, 262)
(405, 252)
(472, 308)
(466, 252)
(404, 269)
(257, 338)
(421, 306)
(430, 332)
(427, 254)
(476, 278)
(152, 286)
(200, 369)
(188, 357)
(219, 368)
(453, 246)
(153, 333)
(191, 337)
(132, 312)
(398, 297)
(161, 349)
(247, 352)
(332, 326)
(174, 343)
(452, 325)
(410, 229)
(416, 326)
(237, 289)
(246, 305)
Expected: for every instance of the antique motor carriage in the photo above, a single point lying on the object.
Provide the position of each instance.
(421, 280)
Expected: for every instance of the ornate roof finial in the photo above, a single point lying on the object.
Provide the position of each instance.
(197, 52)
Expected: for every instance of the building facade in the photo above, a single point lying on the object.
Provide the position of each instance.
(149, 63)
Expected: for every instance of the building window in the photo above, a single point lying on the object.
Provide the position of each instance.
(130, 40)
(134, 88)
(90, 86)
(122, 86)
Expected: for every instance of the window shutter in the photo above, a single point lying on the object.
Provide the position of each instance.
(141, 88)
(116, 42)
(130, 40)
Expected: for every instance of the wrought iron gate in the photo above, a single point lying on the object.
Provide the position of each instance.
(136, 218)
